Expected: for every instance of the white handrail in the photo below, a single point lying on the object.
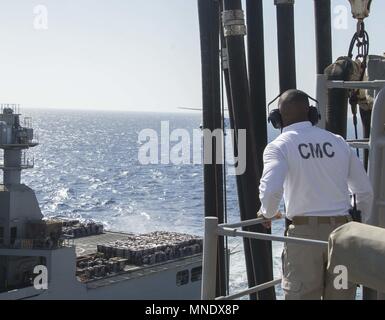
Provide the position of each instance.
(255, 289)
(377, 84)
(242, 224)
(323, 85)
(210, 247)
(268, 237)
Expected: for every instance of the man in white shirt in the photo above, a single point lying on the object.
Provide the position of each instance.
(315, 171)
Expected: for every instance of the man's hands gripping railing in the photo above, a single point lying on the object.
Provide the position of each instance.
(267, 223)
(259, 220)
(232, 230)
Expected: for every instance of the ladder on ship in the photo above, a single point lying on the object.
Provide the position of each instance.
(376, 147)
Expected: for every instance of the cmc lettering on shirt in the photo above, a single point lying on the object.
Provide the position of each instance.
(316, 151)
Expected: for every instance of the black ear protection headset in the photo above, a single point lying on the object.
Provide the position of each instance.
(275, 117)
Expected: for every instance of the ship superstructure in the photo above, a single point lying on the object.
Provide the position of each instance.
(19, 208)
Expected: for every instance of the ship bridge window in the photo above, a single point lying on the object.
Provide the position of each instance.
(196, 274)
(13, 235)
(1, 235)
(182, 278)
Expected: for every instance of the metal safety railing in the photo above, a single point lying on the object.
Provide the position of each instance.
(323, 86)
(376, 143)
(13, 106)
(210, 246)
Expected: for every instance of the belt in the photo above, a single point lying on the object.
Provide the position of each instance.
(321, 220)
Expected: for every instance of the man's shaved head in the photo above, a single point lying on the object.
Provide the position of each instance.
(294, 107)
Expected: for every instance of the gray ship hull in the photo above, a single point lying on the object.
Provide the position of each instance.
(172, 280)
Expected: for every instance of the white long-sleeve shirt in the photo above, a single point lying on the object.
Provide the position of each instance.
(316, 172)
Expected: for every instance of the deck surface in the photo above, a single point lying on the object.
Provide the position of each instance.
(87, 245)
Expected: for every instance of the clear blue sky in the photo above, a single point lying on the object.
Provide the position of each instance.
(134, 54)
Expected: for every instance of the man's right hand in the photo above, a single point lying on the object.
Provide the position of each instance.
(278, 216)
(268, 223)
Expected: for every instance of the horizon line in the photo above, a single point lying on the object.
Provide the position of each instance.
(176, 110)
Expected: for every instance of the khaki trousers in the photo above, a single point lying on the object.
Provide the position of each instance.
(304, 267)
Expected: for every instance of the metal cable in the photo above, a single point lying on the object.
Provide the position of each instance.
(224, 171)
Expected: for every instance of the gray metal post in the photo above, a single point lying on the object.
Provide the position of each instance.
(322, 97)
(210, 247)
(376, 172)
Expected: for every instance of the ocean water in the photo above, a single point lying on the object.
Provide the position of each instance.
(87, 167)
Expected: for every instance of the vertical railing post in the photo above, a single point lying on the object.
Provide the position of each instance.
(322, 97)
(210, 247)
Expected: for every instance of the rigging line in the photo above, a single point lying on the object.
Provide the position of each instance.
(224, 149)
(358, 154)
(227, 267)
(224, 171)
